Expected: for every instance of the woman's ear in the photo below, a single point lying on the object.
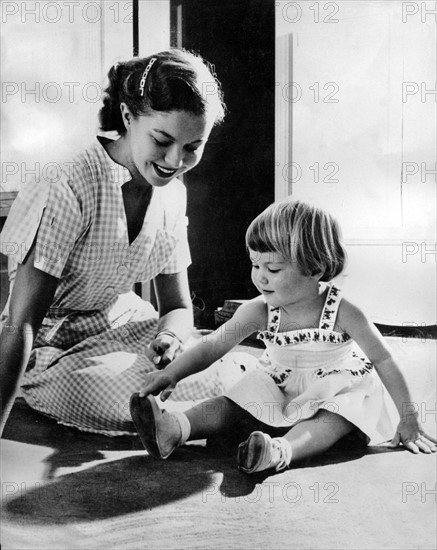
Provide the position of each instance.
(126, 115)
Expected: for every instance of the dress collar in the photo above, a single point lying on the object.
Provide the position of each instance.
(120, 173)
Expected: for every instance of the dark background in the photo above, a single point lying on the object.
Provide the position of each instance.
(235, 179)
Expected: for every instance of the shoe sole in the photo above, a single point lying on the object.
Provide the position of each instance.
(253, 447)
(143, 411)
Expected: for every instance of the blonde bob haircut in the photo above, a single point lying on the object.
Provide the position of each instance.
(301, 233)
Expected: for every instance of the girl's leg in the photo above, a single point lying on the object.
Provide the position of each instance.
(217, 415)
(308, 438)
(313, 436)
(161, 431)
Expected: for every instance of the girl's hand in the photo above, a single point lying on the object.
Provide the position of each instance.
(411, 435)
(157, 382)
(165, 347)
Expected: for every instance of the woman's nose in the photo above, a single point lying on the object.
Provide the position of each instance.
(174, 157)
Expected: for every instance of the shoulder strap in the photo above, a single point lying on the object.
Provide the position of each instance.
(273, 319)
(330, 309)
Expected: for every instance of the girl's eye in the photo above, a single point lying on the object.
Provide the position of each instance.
(274, 270)
(255, 266)
(192, 149)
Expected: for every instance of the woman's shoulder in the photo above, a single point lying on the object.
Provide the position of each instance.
(89, 169)
(91, 163)
(78, 167)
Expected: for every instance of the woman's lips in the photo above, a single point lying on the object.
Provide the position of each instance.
(163, 172)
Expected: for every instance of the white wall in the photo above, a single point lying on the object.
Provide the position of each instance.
(55, 57)
(362, 121)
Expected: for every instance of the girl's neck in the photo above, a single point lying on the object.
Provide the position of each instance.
(307, 309)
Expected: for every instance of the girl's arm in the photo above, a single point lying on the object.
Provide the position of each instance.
(31, 296)
(175, 317)
(249, 317)
(355, 323)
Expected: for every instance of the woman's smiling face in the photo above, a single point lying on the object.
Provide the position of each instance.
(163, 145)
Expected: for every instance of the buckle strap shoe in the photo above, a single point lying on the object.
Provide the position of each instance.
(261, 452)
(160, 431)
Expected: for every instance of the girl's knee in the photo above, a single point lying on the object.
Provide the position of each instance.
(334, 421)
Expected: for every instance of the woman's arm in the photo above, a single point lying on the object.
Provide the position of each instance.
(174, 304)
(31, 296)
(355, 323)
(175, 317)
(249, 317)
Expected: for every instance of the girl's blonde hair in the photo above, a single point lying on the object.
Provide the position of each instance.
(300, 233)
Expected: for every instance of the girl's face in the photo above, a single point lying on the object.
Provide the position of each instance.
(280, 281)
(162, 146)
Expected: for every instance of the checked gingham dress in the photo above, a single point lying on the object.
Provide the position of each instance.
(89, 355)
(305, 370)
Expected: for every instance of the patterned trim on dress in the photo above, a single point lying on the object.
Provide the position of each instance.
(281, 376)
(325, 332)
(330, 309)
(304, 335)
(366, 368)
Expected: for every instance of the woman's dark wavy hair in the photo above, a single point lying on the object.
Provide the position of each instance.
(178, 81)
(301, 233)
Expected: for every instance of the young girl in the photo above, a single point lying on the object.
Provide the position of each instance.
(312, 385)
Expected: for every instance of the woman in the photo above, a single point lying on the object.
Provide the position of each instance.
(116, 216)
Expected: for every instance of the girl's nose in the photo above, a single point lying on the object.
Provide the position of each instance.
(262, 278)
(174, 157)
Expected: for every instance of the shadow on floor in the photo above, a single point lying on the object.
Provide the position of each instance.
(136, 482)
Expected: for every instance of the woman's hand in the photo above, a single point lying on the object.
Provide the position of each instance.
(157, 382)
(165, 347)
(412, 436)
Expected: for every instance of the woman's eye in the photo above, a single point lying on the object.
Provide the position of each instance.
(255, 266)
(274, 270)
(191, 149)
(161, 143)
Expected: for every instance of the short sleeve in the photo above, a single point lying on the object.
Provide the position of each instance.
(174, 201)
(181, 257)
(49, 215)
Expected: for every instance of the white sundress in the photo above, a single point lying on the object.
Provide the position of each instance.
(302, 371)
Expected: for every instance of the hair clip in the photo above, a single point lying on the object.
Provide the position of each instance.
(145, 73)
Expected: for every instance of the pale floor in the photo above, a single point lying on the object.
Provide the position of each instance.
(65, 490)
